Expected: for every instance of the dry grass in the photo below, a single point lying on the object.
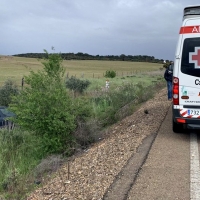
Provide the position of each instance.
(16, 67)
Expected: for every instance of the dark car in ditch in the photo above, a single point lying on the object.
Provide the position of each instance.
(5, 114)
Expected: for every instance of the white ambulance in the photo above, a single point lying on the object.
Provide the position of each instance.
(186, 73)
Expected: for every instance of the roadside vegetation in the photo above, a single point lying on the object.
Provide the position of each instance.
(56, 115)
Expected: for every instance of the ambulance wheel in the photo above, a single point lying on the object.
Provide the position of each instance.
(177, 128)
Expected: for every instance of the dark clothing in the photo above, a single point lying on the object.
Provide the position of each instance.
(168, 74)
(169, 90)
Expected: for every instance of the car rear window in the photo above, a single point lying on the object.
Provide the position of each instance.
(6, 113)
(191, 57)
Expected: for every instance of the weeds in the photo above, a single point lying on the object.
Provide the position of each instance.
(112, 106)
(19, 154)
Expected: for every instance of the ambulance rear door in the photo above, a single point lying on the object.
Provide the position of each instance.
(189, 67)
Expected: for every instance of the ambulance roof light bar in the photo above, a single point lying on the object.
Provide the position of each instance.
(191, 10)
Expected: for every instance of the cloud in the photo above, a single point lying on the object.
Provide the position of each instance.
(106, 27)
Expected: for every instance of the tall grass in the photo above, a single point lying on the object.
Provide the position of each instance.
(106, 106)
(113, 105)
(19, 154)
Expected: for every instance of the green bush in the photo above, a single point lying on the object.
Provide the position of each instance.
(83, 113)
(76, 84)
(8, 90)
(45, 107)
(110, 74)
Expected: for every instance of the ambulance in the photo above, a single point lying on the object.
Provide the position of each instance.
(186, 73)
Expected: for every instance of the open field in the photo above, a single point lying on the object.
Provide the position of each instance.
(16, 67)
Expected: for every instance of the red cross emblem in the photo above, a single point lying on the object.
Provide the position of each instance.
(194, 57)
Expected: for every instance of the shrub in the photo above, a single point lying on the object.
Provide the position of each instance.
(76, 84)
(110, 74)
(8, 90)
(45, 107)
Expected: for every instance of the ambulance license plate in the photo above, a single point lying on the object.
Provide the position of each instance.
(193, 112)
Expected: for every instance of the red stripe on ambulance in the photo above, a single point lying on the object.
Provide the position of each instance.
(189, 29)
(184, 113)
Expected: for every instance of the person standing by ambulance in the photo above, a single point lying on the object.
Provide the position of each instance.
(168, 75)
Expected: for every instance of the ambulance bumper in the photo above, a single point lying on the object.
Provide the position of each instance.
(190, 123)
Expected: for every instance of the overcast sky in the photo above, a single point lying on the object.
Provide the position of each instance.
(96, 27)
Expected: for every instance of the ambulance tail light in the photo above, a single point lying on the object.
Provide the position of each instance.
(180, 120)
(175, 91)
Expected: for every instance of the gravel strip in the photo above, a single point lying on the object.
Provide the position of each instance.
(89, 175)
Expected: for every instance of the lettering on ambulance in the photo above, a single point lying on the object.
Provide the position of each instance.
(197, 82)
(189, 29)
(196, 29)
(192, 101)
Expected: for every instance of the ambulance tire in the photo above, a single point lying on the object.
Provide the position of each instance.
(177, 128)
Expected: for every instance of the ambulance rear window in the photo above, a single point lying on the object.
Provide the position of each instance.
(190, 63)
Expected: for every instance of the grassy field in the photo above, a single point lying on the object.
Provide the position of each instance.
(16, 67)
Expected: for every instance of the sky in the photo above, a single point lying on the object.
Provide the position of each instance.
(96, 27)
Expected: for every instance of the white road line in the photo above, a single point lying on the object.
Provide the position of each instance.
(194, 168)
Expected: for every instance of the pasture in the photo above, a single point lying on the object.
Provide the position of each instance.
(15, 68)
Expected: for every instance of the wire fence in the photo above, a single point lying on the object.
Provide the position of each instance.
(118, 74)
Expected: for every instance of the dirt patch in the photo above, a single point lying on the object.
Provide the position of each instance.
(90, 175)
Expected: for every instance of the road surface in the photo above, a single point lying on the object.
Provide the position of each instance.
(166, 172)
(170, 170)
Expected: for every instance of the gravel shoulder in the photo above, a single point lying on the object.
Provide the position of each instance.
(89, 176)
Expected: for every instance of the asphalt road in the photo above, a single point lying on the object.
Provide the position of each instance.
(166, 172)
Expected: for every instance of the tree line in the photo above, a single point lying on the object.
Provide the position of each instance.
(86, 56)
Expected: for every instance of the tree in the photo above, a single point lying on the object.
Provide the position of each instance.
(45, 107)
(77, 85)
(8, 90)
(122, 57)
